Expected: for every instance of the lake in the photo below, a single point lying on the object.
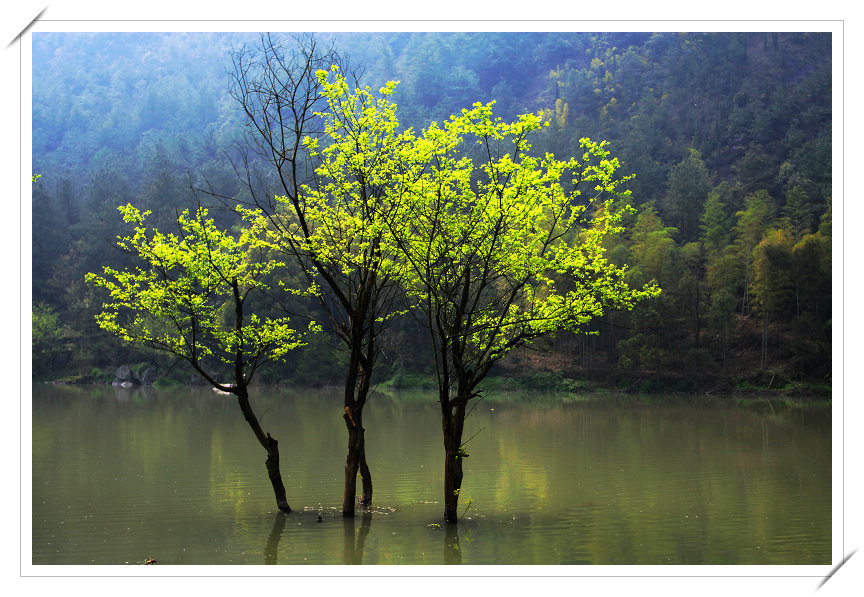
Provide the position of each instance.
(122, 475)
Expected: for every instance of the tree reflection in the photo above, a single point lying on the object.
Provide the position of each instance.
(355, 539)
(271, 550)
(452, 551)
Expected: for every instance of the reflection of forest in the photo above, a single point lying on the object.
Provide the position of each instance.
(655, 474)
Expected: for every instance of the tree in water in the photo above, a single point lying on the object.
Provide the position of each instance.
(502, 249)
(329, 209)
(189, 296)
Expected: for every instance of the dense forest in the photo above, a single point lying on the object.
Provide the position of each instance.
(727, 136)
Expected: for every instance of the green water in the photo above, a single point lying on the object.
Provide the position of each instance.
(176, 475)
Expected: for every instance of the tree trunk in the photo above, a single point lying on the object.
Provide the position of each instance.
(275, 475)
(452, 482)
(269, 444)
(365, 474)
(241, 390)
(355, 462)
(357, 384)
(453, 419)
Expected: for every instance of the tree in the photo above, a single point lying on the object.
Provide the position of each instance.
(49, 337)
(190, 296)
(339, 232)
(654, 258)
(796, 212)
(653, 248)
(690, 285)
(715, 222)
(501, 252)
(751, 225)
(331, 151)
(689, 184)
(773, 280)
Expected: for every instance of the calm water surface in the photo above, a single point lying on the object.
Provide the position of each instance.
(122, 475)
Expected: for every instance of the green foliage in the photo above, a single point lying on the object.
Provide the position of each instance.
(689, 184)
(49, 336)
(773, 286)
(508, 248)
(812, 265)
(187, 292)
(653, 249)
(348, 211)
(715, 222)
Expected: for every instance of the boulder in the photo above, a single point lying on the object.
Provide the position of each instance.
(124, 373)
(125, 377)
(149, 376)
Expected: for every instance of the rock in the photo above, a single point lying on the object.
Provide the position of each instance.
(149, 376)
(124, 373)
(126, 377)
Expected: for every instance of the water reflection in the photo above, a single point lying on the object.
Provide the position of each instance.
(271, 550)
(120, 474)
(355, 538)
(452, 551)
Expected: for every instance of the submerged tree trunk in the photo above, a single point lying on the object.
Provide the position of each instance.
(453, 420)
(365, 474)
(356, 392)
(241, 390)
(355, 462)
(269, 444)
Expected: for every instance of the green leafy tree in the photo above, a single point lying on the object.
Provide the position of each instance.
(690, 291)
(689, 184)
(501, 251)
(812, 264)
(189, 295)
(49, 337)
(752, 223)
(721, 264)
(715, 223)
(654, 259)
(723, 280)
(336, 156)
(338, 230)
(773, 281)
(653, 249)
(796, 215)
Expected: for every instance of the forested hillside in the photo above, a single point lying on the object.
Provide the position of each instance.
(727, 136)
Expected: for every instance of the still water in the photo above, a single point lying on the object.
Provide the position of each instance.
(122, 475)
